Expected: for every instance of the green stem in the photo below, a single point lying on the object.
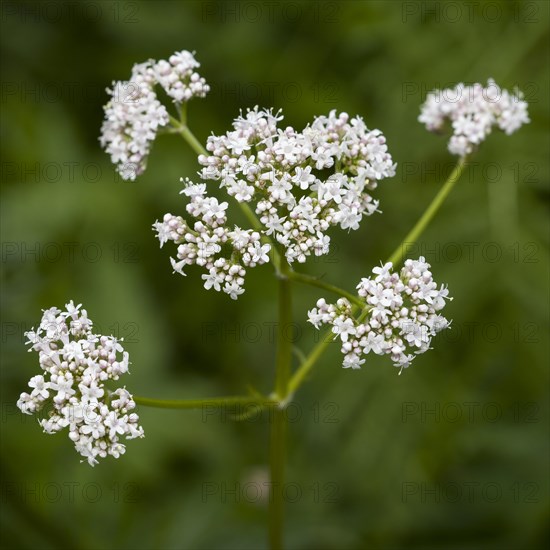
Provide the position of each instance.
(277, 452)
(183, 113)
(313, 281)
(304, 369)
(299, 376)
(284, 343)
(429, 213)
(191, 140)
(277, 446)
(200, 403)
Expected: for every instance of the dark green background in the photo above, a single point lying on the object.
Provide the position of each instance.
(366, 477)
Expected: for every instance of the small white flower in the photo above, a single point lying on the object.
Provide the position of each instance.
(233, 289)
(332, 189)
(415, 334)
(40, 387)
(215, 211)
(178, 266)
(259, 253)
(343, 327)
(382, 272)
(27, 404)
(280, 190)
(63, 387)
(212, 280)
(92, 392)
(115, 424)
(303, 177)
(316, 318)
(94, 427)
(374, 342)
(352, 361)
(72, 310)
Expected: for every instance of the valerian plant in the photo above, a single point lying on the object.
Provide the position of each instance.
(294, 187)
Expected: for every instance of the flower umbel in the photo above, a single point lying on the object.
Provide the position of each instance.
(283, 172)
(401, 315)
(76, 365)
(223, 252)
(134, 114)
(473, 111)
(300, 185)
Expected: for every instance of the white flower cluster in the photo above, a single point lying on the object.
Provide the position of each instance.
(473, 111)
(401, 316)
(178, 77)
(76, 365)
(301, 183)
(134, 114)
(209, 243)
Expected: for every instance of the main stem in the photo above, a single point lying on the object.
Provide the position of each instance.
(277, 444)
(284, 343)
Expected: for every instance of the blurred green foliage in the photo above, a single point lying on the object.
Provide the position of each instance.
(367, 449)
